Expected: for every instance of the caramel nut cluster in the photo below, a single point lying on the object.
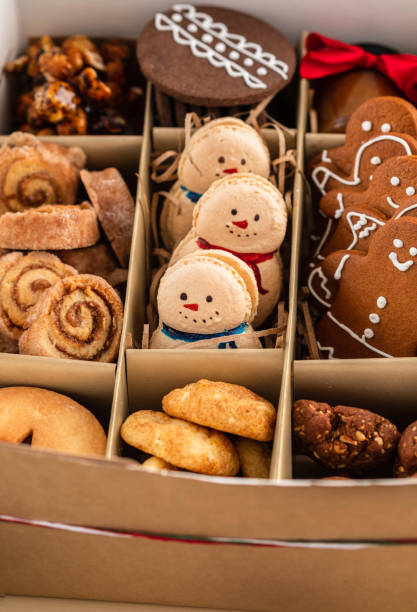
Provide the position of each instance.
(75, 88)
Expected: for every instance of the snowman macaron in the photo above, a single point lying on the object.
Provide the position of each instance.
(210, 297)
(219, 148)
(245, 215)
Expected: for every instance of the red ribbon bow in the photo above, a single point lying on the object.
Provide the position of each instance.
(326, 56)
(251, 259)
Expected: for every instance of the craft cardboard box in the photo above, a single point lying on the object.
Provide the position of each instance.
(104, 529)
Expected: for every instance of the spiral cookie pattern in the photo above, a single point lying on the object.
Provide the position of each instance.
(34, 173)
(80, 317)
(23, 279)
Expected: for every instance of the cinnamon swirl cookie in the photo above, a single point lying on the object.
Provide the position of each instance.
(23, 279)
(50, 227)
(80, 317)
(33, 173)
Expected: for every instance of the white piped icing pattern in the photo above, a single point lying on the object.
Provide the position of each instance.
(395, 181)
(386, 127)
(368, 333)
(366, 126)
(199, 47)
(375, 160)
(381, 302)
(413, 251)
(398, 243)
(374, 318)
(410, 191)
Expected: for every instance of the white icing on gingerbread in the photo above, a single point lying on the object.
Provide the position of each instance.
(341, 208)
(338, 273)
(395, 181)
(324, 156)
(366, 126)
(386, 127)
(374, 318)
(356, 180)
(406, 210)
(375, 160)
(319, 272)
(323, 240)
(401, 266)
(398, 243)
(410, 191)
(202, 21)
(330, 349)
(381, 302)
(368, 333)
(413, 251)
(360, 339)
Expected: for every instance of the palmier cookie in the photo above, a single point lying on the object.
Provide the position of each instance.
(254, 457)
(49, 227)
(182, 444)
(80, 317)
(23, 279)
(223, 406)
(53, 420)
(114, 207)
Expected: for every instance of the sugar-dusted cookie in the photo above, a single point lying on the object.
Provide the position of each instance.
(23, 279)
(406, 461)
(50, 227)
(374, 118)
(231, 58)
(80, 317)
(244, 215)
(254, 457)
(54, 421)
(115, 208)
(372, 311)
(155, 464)
(182, 444)
(219, 148)
(34, 173)
(350, 440)
(223, 406)
(207, 297)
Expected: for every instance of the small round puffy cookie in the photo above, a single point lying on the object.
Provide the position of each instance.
(54, 421)
(346, 439)
(219, 148)
(182, 444)
(223, 406)
(406, 461)
(207, 297)
(50, 227)
(254, 457)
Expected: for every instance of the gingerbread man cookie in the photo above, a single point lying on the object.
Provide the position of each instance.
(219, 148)
(375, 117)
(244, 215)
(393, 184)
(209, 297)
(373, 311)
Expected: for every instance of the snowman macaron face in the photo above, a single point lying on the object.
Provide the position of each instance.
(222, 148)
(203, 296)
(243, 213)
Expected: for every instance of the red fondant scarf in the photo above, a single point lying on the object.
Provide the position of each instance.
(252, 259)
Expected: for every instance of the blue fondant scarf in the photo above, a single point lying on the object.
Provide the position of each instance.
(193, 196)
(176, 334)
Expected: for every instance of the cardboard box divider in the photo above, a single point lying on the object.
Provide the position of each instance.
(115, 493)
